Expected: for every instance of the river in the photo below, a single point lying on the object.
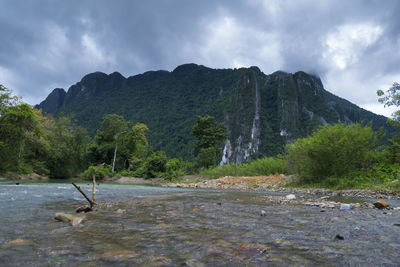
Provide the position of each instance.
(155, 226)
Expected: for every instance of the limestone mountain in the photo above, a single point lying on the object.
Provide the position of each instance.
(262, 112)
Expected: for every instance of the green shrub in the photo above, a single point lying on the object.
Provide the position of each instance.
(105, 171)
(140, 172)
(174, 169)
(155, 164)
(333, 151)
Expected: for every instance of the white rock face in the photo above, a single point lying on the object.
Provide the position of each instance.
(227, 153)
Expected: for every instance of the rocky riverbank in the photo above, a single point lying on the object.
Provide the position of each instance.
(276, 183)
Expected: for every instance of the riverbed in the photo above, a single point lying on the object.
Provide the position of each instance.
(155, 226)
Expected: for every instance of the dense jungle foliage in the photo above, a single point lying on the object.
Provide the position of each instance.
(336, 156)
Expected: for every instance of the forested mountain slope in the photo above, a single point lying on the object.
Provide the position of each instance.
(262, 112)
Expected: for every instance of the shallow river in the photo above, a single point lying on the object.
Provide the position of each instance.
(183, 227)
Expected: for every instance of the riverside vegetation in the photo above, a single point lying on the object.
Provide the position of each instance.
(336, 156)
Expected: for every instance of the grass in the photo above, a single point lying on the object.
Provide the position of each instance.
(382, 176)
(259, 167)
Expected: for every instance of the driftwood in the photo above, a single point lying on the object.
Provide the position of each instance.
(91, 201)
(83, 193)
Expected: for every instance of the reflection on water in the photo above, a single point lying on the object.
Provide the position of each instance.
(177, 227)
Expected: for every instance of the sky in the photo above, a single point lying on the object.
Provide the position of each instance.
(353, 46)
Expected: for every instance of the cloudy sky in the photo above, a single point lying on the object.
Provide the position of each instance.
(354, 46)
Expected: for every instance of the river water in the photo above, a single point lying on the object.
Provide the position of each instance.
(182, 227)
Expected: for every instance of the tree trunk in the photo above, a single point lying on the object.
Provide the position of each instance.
(115, 154)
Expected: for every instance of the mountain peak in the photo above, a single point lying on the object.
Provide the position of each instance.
(186, 67)
(53, 101)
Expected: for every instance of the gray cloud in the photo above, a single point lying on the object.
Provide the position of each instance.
(352, 45)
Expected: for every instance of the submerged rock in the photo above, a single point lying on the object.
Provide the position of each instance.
(17, 242)
(69, 218)
(342, 236)
(120, 211)
(381, 204)
(346, 207)
(118, 255)
(290, 197)
(252, 250)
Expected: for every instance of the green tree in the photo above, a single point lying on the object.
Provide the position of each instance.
(7, 99)
(118, 143)
(333, 151)
(17, 124)
(392, 98)
(67, 153)
(208, 134)
(207, 157)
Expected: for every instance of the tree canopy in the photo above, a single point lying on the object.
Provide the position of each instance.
(391, 98)
(208, 134)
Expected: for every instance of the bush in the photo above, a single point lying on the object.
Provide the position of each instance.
(105, 171)
(155, 164)
(174, 169)
(333, 151)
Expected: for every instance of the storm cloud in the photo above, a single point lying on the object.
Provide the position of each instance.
(354, 46)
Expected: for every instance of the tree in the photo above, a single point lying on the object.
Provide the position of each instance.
(67, 153)
(391, 98)
(117, 142)
(207, 157)
(7, 99)
(17, 124)
(208, 134)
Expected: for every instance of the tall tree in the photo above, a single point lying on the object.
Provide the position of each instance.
(17, 123)
(208, 134)
(392, 98)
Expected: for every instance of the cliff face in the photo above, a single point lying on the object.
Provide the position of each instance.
(262, 112)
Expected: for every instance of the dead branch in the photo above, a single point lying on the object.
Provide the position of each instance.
(94, 180)
(83, 193)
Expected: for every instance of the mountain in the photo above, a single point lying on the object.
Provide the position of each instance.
(262, 112)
